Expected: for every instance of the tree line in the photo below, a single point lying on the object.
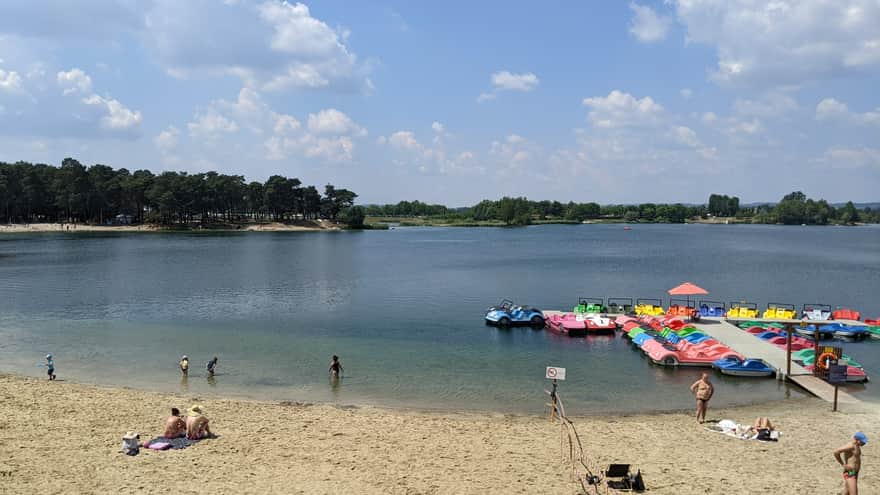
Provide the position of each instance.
(34, 193)
(794, 209)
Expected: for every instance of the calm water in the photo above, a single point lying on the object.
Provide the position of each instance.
(404, 309)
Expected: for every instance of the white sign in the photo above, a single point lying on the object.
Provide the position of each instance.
(555, 373)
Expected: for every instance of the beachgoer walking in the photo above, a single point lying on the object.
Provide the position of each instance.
(184, 365)
(702, 390)
(850, 457)
(50, 366)
(210, 365)
(336, 367)
(197, 423)
(175, 426)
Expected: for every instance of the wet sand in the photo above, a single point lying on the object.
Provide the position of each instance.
(62, 437)
(254, 227)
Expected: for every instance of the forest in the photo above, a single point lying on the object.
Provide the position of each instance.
(99, 194)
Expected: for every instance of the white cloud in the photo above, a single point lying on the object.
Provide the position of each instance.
(686, 136)
(686, 93)
(850, 158)
(771, 105)
(332, 121)
(437, 127)
(271, 46)
(10, 81)
(508, 81)
(620, 109)
(166, 142)
(486, 97)
(116, 116)
(73, 81)
(210, 125)
(285, 125)
(709, 118)
(830, 109)
(405, 140)
(646, 25)
(516, 82)
(773, 43)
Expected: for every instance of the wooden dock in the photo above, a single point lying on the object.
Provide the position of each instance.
(752, 347)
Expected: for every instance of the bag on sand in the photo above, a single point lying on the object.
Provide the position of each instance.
(130, 443)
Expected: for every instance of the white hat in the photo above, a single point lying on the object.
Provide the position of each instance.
(131, 435)
(48, 356)
(184, 357)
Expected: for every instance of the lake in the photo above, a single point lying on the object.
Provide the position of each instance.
(404, 309)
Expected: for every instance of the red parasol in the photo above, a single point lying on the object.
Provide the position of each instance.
(687, 289)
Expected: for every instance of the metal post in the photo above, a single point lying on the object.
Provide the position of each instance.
(789, 329)
(553, 401)
(834, 408)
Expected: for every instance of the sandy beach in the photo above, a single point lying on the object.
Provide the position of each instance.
(61, 437)
(74, 228)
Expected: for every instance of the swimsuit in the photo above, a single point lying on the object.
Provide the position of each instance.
(850, 473)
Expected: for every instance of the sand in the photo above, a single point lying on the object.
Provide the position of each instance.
(61, 437)
(74, 228)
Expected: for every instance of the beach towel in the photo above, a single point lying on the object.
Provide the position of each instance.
(162, 443)
(736, 430)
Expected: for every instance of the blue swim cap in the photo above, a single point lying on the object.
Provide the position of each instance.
(861, 437)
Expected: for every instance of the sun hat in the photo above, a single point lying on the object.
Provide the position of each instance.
(861, 437)
(48, 356)
(195, 410)
(131, 435)
(184, 357)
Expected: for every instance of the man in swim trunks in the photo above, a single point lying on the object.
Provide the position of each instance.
(850, 457)
(702, 390)
(175, 426)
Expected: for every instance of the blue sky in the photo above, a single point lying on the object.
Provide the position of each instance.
(453, 102)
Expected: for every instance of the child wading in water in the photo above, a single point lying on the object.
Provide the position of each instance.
(50, 366)
(210, 365)
(336, 367)
(184, 365)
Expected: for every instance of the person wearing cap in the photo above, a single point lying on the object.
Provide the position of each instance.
(184, 365)
(197, 423)
(50, 366)
(850, 457)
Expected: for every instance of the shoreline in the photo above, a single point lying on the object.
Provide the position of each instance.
(71, 440)
(70, 228)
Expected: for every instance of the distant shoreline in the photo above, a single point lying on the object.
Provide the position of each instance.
(440, 222)
(72, 228)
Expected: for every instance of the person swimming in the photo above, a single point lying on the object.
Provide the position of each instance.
(184, 365)
(336, 369)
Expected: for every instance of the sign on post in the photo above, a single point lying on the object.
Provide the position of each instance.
(554, 373)
(837, 374)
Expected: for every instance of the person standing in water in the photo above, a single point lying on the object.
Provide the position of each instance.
(702, 390)
(335, 367)
(184, 365)
(210, 365)
(850, 457)
(50, 366)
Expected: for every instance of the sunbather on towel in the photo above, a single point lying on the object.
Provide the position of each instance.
(197, 424)
(175, 426)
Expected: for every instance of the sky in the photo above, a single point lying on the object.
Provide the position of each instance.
(453, 102)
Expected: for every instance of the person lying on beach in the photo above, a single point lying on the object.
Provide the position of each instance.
(761, 424)
(175, 426)
(336, 367)
(184, 365)
(197, 424)
(850, 457)
(210, 365)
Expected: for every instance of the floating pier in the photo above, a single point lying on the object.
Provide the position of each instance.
(752, 347)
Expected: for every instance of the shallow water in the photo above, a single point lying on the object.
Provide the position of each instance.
(404, 309)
